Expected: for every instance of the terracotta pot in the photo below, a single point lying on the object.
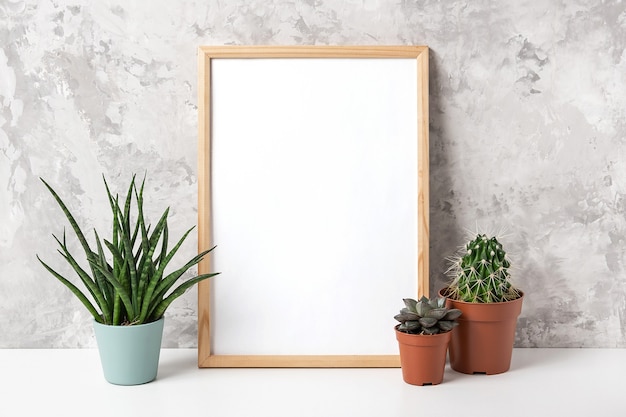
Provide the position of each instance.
(422, 357)
(483, 340)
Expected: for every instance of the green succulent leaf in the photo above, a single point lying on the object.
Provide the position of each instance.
(452, 314)
(412, 325)
(427, 321)
(78, 293)
(446, 325)
(430, 330)
(178, 291)
(422, 308)
(438, 302)
(437, 313)
(410, 304)
(406, 315)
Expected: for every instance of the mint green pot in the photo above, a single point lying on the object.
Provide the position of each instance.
(129, 354)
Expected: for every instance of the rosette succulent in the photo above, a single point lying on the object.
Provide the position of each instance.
(426, 316)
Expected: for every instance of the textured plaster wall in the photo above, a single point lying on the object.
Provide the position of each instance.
(528, 106)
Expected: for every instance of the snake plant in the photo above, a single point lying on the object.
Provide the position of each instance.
(129, 285)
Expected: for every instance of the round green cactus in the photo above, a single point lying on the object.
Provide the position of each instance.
(481, 274)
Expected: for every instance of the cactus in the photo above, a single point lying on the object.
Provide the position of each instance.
(426, 316)
(481, 274)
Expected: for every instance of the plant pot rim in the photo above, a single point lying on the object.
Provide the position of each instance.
(441, 293)
(423, 340)
(426, 335)
(128, 326)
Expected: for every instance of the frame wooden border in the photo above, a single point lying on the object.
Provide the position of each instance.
(205, 55)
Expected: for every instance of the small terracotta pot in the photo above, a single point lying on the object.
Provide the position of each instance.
(422, 357)
(483, 340)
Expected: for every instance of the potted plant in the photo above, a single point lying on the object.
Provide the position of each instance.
(482, 290)
(423, 336)
(128, 288)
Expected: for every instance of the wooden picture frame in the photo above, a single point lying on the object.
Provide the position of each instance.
(246, 91)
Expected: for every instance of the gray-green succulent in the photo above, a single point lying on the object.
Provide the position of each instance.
(481, 273)
(426, 316)
(132, 288)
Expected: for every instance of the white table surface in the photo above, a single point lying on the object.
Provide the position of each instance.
(541, 382)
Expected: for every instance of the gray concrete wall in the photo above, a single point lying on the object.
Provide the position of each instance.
(527, 135)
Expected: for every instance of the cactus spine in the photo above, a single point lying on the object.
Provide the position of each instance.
(481, 274)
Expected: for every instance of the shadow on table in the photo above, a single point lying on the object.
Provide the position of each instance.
(176, 366)
(523, 359)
